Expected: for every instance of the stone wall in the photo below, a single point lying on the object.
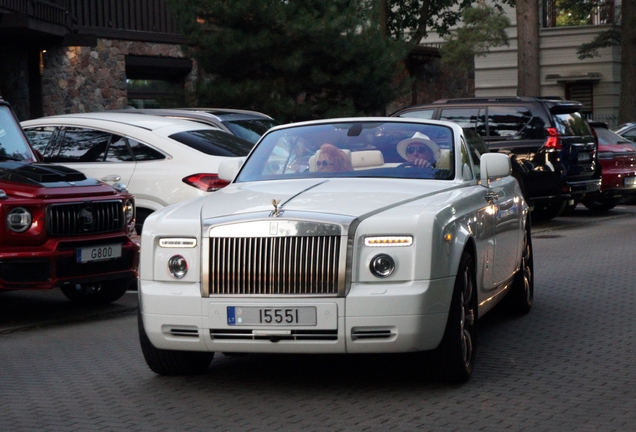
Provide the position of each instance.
(14, 80)
(87, 79)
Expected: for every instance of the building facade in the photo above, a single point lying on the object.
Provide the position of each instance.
(595, 82)
(66, 56)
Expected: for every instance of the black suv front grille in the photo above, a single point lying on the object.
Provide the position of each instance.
(88, 217)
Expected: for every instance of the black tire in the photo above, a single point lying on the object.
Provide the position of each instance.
(141, 216)
(569, 208)
(521, 296)
(454, 358)
(98, 293)
(170, 362)
(548, 211)
(601, 204)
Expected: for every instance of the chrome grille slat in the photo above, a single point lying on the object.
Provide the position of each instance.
(65, 219)
(278, 265)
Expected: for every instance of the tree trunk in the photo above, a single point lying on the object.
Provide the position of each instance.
(528, 75)
(627, 104)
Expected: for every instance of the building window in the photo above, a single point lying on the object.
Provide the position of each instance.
(563, 13)
(581, 92)
(156, 82)
(153, 93)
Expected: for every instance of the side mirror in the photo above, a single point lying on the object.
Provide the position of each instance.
(494, 166)
(229, 168)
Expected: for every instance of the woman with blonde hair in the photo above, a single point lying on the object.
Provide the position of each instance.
(332, 159)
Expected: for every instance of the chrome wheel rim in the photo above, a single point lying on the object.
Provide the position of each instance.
(527, 270)
(467, 319)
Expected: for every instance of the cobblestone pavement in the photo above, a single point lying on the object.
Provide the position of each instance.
(568, 365)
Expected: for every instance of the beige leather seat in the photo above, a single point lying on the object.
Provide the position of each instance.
(367, 159)
(444, 161)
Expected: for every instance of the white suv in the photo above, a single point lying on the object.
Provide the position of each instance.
(161, 160)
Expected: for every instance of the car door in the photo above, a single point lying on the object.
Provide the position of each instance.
(507, 221)
(98, 154)
(484, 229)
(501, 218)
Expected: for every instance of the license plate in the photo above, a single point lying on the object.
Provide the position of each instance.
(98, 253)
(585, 157)
(274, 316)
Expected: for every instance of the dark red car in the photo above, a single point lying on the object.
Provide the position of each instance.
(59, 228)
(617, 156)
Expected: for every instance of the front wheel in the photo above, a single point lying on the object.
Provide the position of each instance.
(601, 204)
(98, 293)
(171, 362)
(142, 214)
(548, 211)
(454, 358)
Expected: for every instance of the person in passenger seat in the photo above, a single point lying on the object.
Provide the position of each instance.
(332, 159)
(419, 151)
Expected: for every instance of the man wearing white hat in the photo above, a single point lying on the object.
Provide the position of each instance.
(419, 151)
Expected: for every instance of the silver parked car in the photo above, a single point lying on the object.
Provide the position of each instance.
(248, 125)
(627, 130)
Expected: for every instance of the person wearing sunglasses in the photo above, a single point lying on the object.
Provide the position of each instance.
(332, 159)
(419, 151)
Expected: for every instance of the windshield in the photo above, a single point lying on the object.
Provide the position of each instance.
(250, 130)
(353, 149)
(606, 136)
(13, 144)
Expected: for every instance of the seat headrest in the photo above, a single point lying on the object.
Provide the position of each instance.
(367, 158)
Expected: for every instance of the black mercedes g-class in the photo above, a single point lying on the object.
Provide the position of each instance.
(552, 147)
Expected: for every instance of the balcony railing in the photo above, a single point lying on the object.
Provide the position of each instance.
(98, 16)
(51, 11)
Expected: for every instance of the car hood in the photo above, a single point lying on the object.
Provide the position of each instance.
(350, 197)
(33, 180)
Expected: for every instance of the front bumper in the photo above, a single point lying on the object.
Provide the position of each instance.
(372, 318)
(55, 264)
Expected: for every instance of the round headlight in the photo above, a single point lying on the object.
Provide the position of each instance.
(177, 266)
(129, 211)
(19, 219)
(382, 265)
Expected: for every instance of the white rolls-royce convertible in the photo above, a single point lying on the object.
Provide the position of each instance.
(355, 235)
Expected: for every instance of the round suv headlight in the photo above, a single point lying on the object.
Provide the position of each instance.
(382, 265)
(177, 266)
(129, 211)
(19, 219)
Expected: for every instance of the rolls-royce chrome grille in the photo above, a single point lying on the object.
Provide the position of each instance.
(274, 265)
(90, 217)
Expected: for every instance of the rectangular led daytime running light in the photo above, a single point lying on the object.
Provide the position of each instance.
(177, 242)
(390, 241)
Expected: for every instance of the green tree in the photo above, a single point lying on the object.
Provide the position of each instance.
(483, 27)
(411, 20)
(292, 59)
(621, 33)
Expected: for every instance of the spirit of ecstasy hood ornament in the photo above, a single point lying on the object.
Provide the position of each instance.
(275, 213)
